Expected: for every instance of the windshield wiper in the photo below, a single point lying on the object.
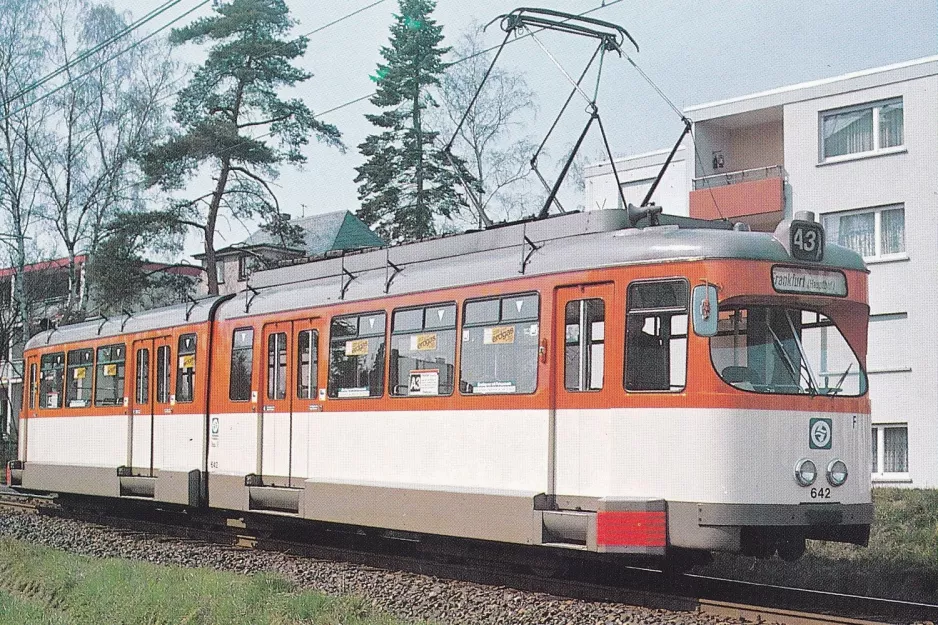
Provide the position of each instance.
(812, 382)
(840, 382)
(792, 371)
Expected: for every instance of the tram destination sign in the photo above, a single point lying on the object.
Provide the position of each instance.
(809, 281)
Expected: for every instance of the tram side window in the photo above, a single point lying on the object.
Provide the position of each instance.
(242, 363)
(656, 336)
(307, 364)
(277, 365)
(185, 372)
(109, 390)
(51, 379)
(78, 378)
(499, 345)
(32, 385)
(423, 351)
(164, 370)
(356, 356)
(584, 344)
(142, 393)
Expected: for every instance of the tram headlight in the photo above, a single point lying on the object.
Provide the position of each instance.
(837, 473)
(805, 472)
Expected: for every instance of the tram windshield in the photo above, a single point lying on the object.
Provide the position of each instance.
(788, 351)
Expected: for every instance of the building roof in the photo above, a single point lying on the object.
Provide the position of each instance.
(864, 79)
(57, 263)
(339, 230)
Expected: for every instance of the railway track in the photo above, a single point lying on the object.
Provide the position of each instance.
(750, 602)
(27, 504)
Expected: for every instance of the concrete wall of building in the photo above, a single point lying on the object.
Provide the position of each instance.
(636, 174)
(903, 363)
(755, 146)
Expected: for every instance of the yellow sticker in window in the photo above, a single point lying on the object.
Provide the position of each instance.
(80, 373)
(356, 348)
(187, 361)
(110, 369)
(423, 342)
(499, 335)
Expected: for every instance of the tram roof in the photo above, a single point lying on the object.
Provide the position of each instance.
(196, 311)
(565, 243)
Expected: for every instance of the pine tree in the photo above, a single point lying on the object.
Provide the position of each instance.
(228, 108)
(408, 183)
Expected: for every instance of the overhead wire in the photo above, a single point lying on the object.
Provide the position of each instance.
(685, 119)
(92, 51)
(134, 45)
(605, 5)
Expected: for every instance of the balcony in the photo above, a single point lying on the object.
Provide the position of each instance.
(753, 196)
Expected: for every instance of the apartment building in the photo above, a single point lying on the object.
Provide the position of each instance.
(861, 151)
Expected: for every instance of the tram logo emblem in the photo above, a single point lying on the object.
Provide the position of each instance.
(216, 426)
(820, 433)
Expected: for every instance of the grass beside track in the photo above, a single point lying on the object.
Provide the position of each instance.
(901, 561)
(48, 587)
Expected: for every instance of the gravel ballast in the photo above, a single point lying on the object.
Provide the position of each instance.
(406, 595)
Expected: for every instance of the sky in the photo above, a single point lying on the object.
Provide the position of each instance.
(695, 52)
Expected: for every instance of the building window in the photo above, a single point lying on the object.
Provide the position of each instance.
(875, 234)
(890, 450)
(865, 129)
(220, 271)
(245, 267)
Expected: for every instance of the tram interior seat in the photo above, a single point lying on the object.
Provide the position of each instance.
(740, 377)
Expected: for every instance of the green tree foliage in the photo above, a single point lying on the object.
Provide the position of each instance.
(407, 183)
(94, 125)
(227, 110)
(121, 279)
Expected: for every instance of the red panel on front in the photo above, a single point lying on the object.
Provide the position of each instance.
(639, 529)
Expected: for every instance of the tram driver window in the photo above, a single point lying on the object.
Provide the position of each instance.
(356, 356)
(656, 336)
(499, 345)
(185, 372)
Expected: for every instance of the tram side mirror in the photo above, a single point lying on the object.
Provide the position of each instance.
(705, 310)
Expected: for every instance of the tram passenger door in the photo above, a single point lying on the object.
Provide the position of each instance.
(583, 382)
(151, 368)
(275, 415)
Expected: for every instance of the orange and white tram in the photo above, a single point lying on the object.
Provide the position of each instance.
(573, 382)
